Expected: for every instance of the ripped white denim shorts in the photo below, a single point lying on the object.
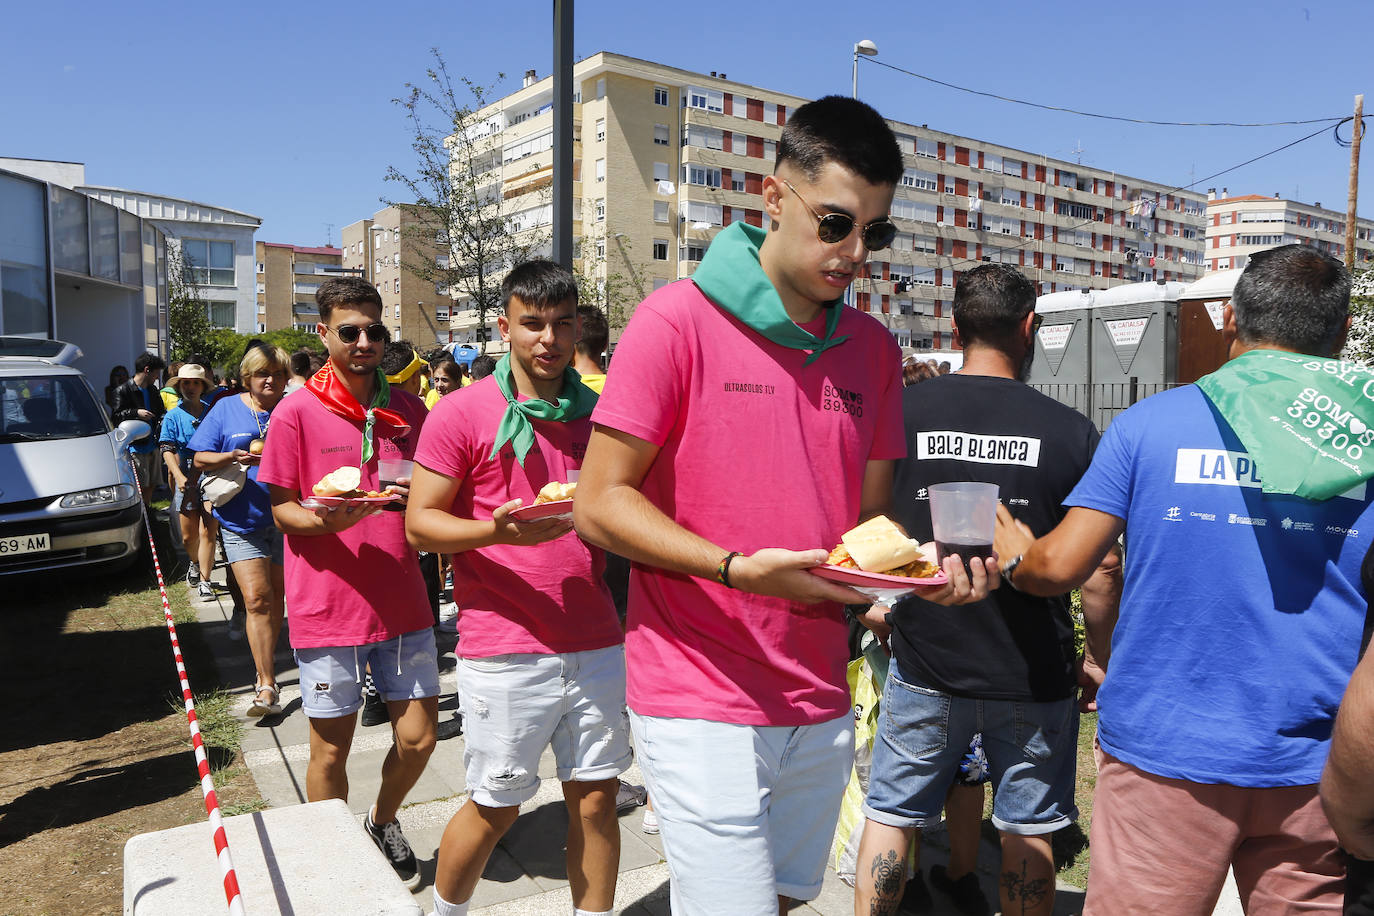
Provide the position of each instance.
(515, 706)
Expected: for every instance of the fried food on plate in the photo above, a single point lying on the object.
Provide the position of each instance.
(879, 546)
(554, 492)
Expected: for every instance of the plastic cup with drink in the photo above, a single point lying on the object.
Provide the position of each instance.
(963, 516)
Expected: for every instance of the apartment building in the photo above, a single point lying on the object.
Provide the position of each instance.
(1237, 227)
(665, 157)
(288, 276)
(384, 250)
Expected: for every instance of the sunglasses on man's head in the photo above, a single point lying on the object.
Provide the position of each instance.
(836, 227)
(349, 333)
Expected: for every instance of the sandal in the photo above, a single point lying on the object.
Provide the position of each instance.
(260, 707)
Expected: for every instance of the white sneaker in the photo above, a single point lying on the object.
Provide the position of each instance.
(448, 618)
(650, 823)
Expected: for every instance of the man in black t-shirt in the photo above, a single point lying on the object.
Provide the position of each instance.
(1004, 666)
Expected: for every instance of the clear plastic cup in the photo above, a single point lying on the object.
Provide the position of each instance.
(963, 517)
(390, 470)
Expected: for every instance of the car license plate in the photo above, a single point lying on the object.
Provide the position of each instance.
(25, 543)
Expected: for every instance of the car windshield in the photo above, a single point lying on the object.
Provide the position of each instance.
(48, 407)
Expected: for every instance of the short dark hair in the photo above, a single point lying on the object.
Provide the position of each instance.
(300, 362)
(447, 364)
(145, 361)
(338, 291)
(990, 301)
(843, 130)
(483, 366)
(317, 361)
(1293, 296)
(540, 283)
(397, 355)
(596, 333)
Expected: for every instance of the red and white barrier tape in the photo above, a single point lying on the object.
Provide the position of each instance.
(207, 784)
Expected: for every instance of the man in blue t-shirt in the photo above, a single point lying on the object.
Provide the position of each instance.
(1240, 625)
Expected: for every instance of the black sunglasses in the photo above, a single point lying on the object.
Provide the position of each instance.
(349, 333)
(835, 227)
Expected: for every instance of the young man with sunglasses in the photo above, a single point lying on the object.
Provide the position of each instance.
(750, 422)
(353, 584)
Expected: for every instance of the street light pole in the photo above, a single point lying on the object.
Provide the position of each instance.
(868, 49)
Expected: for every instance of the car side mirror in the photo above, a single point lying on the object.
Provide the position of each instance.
(131, 431)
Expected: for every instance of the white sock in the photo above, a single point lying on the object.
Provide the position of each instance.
(443, 908)
(577, 912)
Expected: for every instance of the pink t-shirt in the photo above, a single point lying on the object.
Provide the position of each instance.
(362, 585)
(756, 450)
(544, 599)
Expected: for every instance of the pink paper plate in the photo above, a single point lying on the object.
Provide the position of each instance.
(559, 508)
(313, 502)
(846, 576)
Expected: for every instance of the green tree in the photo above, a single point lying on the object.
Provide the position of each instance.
(456, 195)
(611, 279)
(1360, 344)
(188, 316)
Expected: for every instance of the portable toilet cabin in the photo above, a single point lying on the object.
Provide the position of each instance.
(1200, 346)
(1063, 349)
(1134, 345)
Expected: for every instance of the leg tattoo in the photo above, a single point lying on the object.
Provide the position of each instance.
(1029, 893)
(889, 873)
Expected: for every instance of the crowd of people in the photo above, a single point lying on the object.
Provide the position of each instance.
(748, 421)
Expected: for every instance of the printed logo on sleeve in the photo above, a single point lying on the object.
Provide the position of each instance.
(980, 449)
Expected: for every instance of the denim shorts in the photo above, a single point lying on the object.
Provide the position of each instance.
(514, 706)
(255, 545)
(405, 667)
(923, 734)
(746, 812)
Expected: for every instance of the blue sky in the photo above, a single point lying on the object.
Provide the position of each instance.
(284, 110)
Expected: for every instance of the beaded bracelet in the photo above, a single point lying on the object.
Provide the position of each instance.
(723, 570)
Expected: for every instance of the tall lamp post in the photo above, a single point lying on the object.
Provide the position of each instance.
(867, 49)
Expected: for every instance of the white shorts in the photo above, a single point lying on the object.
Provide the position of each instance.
(514, 706)
(746, 813)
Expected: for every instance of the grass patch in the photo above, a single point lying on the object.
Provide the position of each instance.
(247, 807)
(219, 725)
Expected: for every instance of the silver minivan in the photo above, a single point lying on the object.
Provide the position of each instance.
(68, 495)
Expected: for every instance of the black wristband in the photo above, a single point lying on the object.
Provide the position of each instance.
(723, 570)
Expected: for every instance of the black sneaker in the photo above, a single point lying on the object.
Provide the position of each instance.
(450, 728)
(916, 897)
(393, 844)
(374, 708)
(966, 893)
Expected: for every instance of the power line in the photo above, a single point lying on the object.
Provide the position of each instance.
(1090, 114)
(1028, 241)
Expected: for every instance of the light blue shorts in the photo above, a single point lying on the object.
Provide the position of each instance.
(746, 813)
(403, 668)
(923, 736)
(514, 706)
(255, 545)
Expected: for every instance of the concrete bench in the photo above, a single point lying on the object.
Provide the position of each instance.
(300, 860)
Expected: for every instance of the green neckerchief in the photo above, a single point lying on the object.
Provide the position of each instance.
(730, 276)
(575, 401)
(381, 399)
(1307, 422)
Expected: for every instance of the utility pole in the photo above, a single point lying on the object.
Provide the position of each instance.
(562, 132)
(1356, 133)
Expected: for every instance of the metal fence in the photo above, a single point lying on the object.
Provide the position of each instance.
(1102, 402)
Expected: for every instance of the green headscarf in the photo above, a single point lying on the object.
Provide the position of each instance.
(575, 401)
(731, 277)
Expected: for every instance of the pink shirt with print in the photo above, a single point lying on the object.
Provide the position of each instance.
(362, 585)
(548, 598)
(756, 450)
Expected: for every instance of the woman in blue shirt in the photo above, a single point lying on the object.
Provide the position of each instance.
(232, 432)
(197, 526)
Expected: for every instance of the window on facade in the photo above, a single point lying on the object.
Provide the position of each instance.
(210, 263)
(923, 276)
(698, 211)
(923, 243)
(660, 211)
(707, 99)
(915, 178)
(660, 249)
(704, 137)
(661, 134)
(691, 252)
(601, 170)
(601, 88)
(600, 208)
(660, 95)
(601, 248)
(770, 149)
(396, 286)
(928, 148)
(737, 180)
(1011, 167)
(600, 130)
(661, 171)
(700, 175)
(221, 314)
(528, 146)
(992, 162)
(1077, 211)
(1008, 197)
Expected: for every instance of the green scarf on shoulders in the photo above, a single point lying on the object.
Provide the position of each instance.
(731, 277)
(575, 402)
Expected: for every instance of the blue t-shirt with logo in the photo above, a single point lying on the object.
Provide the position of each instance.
(230, 425)
(1242, 612)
